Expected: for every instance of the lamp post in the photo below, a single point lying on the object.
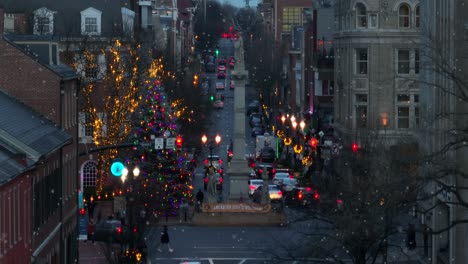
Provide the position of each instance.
(217, 140)
(128, 179)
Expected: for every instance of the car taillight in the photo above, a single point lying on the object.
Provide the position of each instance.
(220, 162)
(220, 171)
(260, 171)
(119, 230)
(280, 193)
(273, 171)
(291, 176)
(299, 195)
(205, 162)
(205, 179)
(252, 187)
(308, 189)
(220, 180)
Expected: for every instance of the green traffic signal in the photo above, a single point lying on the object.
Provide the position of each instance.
(212, 98)
(217, 52)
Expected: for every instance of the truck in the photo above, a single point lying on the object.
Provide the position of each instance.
(265, 140)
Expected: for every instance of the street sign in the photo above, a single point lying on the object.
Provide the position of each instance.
(158, 143)
(170, 143)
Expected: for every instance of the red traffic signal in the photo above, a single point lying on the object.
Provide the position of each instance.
(355, 147)
(313, 142)
(316, 195)
(82, 211)
(179, 142)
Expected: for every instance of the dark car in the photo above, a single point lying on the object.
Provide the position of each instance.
(301, 196)
(257, 131)
(268, 168)
(267, 155)
(255, 119)
(109, 231)
(253, 107)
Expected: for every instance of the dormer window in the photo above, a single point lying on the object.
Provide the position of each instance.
(91, 21)
(43, 21)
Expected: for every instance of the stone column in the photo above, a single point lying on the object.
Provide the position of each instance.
(239, 171)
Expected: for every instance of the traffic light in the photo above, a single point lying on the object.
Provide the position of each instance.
(179, 142)
(82, 211)
(355, 147)
(316, 195)
(211, 98)
(217, 52)
(313, 142)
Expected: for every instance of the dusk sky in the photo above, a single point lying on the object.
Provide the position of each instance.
(240, 3)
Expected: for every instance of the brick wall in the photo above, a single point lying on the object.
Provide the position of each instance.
(29, 81)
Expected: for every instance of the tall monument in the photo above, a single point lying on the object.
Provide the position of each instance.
(239, 171)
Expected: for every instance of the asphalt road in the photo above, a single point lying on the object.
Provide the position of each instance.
(225, 244)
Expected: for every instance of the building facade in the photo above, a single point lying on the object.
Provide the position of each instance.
(376, 69)
(52, 91)
(444, 106)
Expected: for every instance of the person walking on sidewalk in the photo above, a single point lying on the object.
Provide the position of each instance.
(165, 240)
(90, 231)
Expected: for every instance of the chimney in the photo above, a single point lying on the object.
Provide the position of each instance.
(2, 18)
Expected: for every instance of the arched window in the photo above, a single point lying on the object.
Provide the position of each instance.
(89, 174)
(404, 16)
(416, 22)
(361, 16)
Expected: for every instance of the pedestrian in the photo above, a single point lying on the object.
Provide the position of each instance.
(200, 196)
(91, 207)
(183, 210)
(90, 231)
(165, 240)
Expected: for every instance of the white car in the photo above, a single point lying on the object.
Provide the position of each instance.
(219, 86)
(273, 191)
(279, 176)
(288, 184)
(253, 185)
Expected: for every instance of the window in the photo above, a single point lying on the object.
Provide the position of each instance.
(88, 126)
(91, 72)
(417, 17)
(361, 110)
(372, 20)
(361, 61)
(403, 117)
(43, 21)
(403, 61)
(291, 17)
(407, 110)
(89, 174)
(416, 61)
(91, 25)
(361, 16)
(91, 21)
(404, 16)
(43, 25)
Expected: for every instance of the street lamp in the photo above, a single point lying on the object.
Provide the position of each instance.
(129, 198)
(217, 140)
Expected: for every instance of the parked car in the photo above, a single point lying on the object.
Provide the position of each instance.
(109, 231)
(279, 177)
(253, 185)
(267, 154)
(253, 107)
(255, 119)
(274, 192)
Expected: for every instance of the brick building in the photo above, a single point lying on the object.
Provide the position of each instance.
(51, 90)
